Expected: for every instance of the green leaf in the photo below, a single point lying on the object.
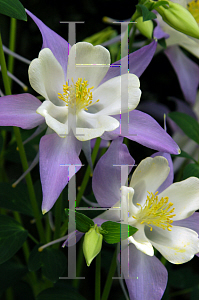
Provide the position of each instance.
(147, 14)
(59, 293)
(188, 124)
(13, 9)
(15, 199)
(52, 261)
(191, 170)
(160, 3)
(34, 261)
(117, 232)
(185, 155)
(12, 237)
(83, 223)
(10, 272)
(162, 43)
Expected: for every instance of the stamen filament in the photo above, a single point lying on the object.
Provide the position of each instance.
(156, 212)
(77, 95)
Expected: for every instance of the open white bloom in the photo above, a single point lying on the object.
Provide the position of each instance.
(177, 38)
(155, 214)
(78, 102)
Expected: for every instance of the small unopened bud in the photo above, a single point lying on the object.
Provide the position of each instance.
(179, 18)
(92, 244)
(146, 28)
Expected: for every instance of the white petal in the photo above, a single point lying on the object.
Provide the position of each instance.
(46, 76)
(126, 199)
(55, 117)
(148, 176)
(90, 126)
(185, 197)
(89, 62)
(110, 97)
(141, 242)
(179, 38)
(178, 245)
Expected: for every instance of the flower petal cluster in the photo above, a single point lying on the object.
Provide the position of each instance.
(80, 95)
(87, 71)
(164, 213)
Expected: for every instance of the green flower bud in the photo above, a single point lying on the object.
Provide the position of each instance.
(179, 18)
(146, 28)
(92, 244)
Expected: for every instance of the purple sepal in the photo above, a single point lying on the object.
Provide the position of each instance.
(20, 110)
(169, 179)
(107, 179)
(59, 47)
(186, 70)
(144, 130)
(147, 275)
(138, 62)
(158, 33)
(54, 152)
(191, 222)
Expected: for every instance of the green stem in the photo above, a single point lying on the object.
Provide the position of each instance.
(32, 238)
(22, 151)
(48, 229)
(37, 213)
(163, 260)
(3, 175)
(25, 245)
(13, 27)
(97, 276)
(125, 38)
(58, 214)
(4, 69)
(80, 260)
(109, 280)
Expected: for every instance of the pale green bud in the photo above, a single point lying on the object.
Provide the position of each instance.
(146, 28)
(92, 244)
(179, 18)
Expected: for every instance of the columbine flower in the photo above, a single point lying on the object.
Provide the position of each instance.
(186, 70)
(79, 98)
(163, 212)
(178, 38)
(58, 78)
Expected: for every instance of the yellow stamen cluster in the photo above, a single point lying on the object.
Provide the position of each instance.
(193, 8)
(77, 95)
(156, 212)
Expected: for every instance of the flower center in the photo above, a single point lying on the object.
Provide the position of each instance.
(193, 8)
(77, 95)
(156, 212)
